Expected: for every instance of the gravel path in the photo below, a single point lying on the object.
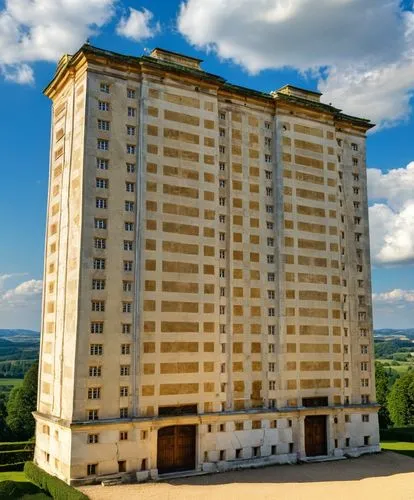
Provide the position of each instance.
(386, 476)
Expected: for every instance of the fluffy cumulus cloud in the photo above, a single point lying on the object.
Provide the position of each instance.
(395, 296)
(23, 295)
(43, 30)
(138, 25)
(361, 50)
(392, 215)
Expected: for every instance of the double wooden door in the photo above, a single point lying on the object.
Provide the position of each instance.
(315, 435)
(176, 448)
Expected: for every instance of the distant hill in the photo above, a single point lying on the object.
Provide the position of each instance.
(19, 335)
(390, 332)
(19, 349)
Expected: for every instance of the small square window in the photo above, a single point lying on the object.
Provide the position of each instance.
(91, 469)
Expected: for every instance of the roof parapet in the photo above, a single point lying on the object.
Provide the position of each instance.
(173, 57)
(293, 91)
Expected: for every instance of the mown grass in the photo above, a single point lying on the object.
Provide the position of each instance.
(399, 447)
(11, 381)
(12, 476)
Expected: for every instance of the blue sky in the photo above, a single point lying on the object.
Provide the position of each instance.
(359, 53)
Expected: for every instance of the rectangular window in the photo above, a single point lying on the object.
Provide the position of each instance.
(95, 371)
(126, 307)
(222, 116)
(222, 236)
(127, 286)
(271, 329)
(222, 310)
(100, 224)
(125, 349)
(96, 349)
(222, 202)
(128, 265)
(98, 284)
(123, 391)
(270, 242)
(124, 370)
(222, 132)
(222, 254)
(364, 366)
(365, 399)
(269, 191)
(130, 149)
(221, 273)
(98, 305)
(93, 438)
(129, 206)
(130, 187)
(103, 144)
(268, 141)
(130, 130)
(222, 166)
(270, 259)
(267, 125)
(268, 174)
(131, 111)
(94, 393)
(222, 183)
(271, 311)
(364, 382)
(130, 167)
(271, 294)
(270, 276)
(364, 349)
(91, 468)
(104, 87)
(222, 219)
(272, 367)
(99, 264)
(103, 106)
(269, 225)
(123, 436)
(102, 164)
(272, 385)
(97, 327)
(222, 328)
(365, 418)
(131, 94)
(101, 203)
(271, 348)
(269, 209)
(128, 245)
(100, 243)
(129, 226)
(268, 158)
(123, 413)
(102, 183)
(222, 291)
(126, 328)
(222, 149)
(103, 125)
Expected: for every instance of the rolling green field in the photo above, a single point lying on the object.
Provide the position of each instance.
(401, 368)
(12, 476)
(10, 381)
(399, 447)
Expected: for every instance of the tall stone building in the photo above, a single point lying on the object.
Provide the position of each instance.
(207, 291)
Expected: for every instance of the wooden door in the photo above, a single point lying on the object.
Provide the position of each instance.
(176, 448)
(315, 436)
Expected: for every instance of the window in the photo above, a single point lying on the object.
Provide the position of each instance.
(355, 162)
(93, 415)
(96, 349)
(222, 236)
(104, 87)
(221, 273)
(270, 242)
(130, 167)
(130, 130)
(222, 291)
(355, 177)
(103, 106)
(222, 116)
(357, 220)
(364, 382)
(101, 203)
(94, 393)
(131, 111)
(271, 329)
(126, 307)
(222, 132)
(130, 149)
(339, 158)
(347, 418)
(355, 190)
(268, 141)
(268, 158)
(272, 367)
(362, 316)
(123, 413)
(129, 206)
(256, 451)
(100, 223)
(124, 370)
(354, 146)
(222, 166)
(99, 264)
(222, 328)
(93, 438)
(271, 348)
(129, 226)
(267, 125)
(95, 371)
(222, 219)
(347, 442)
(223, 368)
(363, 332)
(123, 391)
(272, 385)
(268, 174)
(364, 399)
(222, 183)
(222, 310)
(356, 204)
(270, 276)
(270, 259)
(364, 366)
(102, 183)
(346, 349)
(103, 144)
(131, 93)
(128, 245)
(98, 284)
(102, 164)
(128, 265)
(97, 327)
(365, 418)
(360, 283)
(271, 311)
(222, 149)
(346, 367)
(222, 202)
(127, 286)
(103, 125)
(98, 305)
(126, 328)
(364, 349)
(270, 294)
(91, 468)
(269, 225)
(123, 436)
(269, 209)
(222, 254)
(339, 142)
(100, 243)
(125, 349)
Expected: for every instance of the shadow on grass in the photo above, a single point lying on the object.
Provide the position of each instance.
(401, 447)
(23, 490)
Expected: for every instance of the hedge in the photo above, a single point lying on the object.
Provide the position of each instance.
(17, 445)
(55, 487)
(15, 456)
(12, 467)
(21, 489)
(398, 434)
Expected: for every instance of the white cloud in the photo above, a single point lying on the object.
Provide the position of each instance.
(43, 30)
(315, 34)
(6, 277)
(23, 295)
(137, 26)
(396, 296)
(392, 215)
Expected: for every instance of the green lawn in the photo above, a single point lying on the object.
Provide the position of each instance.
(399, 447)
(11, 381)
(401, 368)
(12, 476)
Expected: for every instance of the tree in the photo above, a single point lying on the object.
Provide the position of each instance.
(382, 386)
(4, 432)
(401, 400)
(21, 403)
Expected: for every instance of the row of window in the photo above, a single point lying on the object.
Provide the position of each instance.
(102, 183)
(104, 106)
(103, 145)
(106, 88)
